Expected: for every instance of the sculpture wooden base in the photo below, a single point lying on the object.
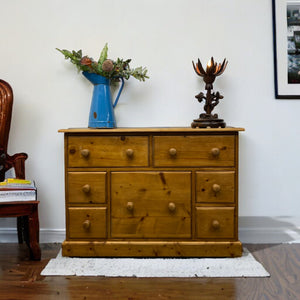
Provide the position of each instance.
(151, 249)
(212, 123)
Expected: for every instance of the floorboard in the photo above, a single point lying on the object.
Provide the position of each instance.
(20, 279)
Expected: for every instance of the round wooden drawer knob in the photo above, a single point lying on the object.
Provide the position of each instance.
(216, 188)
(86, 188)
(129, 153)
(172, 152)
(72, 150)
(85, 153)
(215, 224)
(215, 152)
(172, 206)
(86, 224)
(130, 206)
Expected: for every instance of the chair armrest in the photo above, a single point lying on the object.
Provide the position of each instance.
(18, 163)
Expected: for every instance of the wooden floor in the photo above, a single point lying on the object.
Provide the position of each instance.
(21, 279)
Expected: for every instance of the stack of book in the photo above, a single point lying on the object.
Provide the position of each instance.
(13, 189)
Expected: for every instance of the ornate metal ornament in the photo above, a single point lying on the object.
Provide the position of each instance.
(211, 99)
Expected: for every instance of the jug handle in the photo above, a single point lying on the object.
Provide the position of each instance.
(119, 93)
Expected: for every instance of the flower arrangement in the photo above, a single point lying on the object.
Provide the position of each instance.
(108, 68)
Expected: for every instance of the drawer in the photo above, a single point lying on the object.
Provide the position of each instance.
(107, 151)
(87, 222)
(194, 151)
(151, 204)
(86, 187)
(215, 187)
(215, 222)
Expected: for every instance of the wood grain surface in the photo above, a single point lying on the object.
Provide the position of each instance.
(175, 189)
(21, 279)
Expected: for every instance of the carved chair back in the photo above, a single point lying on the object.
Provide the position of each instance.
(18, 160)
(6, 103)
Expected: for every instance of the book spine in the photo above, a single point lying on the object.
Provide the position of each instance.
(28, 195)
(16, 189)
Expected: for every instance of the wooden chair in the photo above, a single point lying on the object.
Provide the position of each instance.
(25, 211)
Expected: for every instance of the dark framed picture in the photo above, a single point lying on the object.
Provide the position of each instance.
(286, 33)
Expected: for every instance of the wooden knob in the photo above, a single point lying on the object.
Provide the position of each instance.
(85, 153)
(72, 150)
(172, 152)
(86, 224)
(216, 188)
(215, 224)
(86, 188)
(215, 151)
(130, 206)
(129, 153)
(172, 206)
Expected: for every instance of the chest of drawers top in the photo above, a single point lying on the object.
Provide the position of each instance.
(148, 130)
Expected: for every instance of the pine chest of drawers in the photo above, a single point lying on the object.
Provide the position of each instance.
(151, 192)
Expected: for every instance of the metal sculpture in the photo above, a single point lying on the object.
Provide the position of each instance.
(211, 99)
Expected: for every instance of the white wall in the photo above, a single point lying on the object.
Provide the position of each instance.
(165, 36)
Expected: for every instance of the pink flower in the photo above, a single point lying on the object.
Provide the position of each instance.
(86, 61)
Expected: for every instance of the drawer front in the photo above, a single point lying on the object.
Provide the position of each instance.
(86, 187)
(151, 204)
(215, 222)
(215, 187)
(194, 151)
(87, 222)
(112, 151)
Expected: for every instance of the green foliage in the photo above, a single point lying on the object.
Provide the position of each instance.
(103, 55)
(121, 68)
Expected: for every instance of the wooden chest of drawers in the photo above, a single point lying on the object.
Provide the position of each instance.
(151, 192)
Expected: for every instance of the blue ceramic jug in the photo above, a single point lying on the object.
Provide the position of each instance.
(102, 109)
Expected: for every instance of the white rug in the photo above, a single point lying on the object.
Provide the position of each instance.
(245, 266)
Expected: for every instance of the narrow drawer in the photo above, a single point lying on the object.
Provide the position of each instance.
(215, 187)
(87, 222)
(215, 222)
(194, 151)
(111, 151)
(86, 187)
(151, 204)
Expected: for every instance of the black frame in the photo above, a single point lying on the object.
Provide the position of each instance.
(278, 92)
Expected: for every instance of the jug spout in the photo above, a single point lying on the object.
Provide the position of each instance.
(95, 78)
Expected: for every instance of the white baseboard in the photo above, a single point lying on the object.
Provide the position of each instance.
(9, 235)
(252, 230)
(260, 230)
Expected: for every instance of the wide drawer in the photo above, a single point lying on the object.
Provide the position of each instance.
(87, 222)
(86, 187)
(194, 151)
(107, 151)
(215, 187)
(215, 222)
(151, 204)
